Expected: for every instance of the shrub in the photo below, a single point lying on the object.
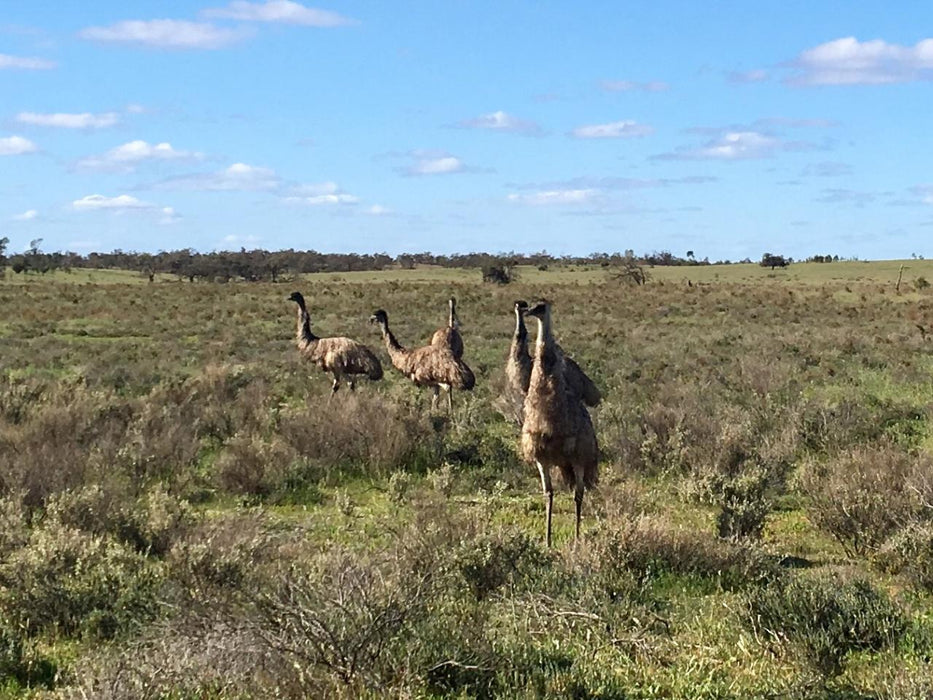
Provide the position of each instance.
(251, 465)
(489, 561)
(367, 432)
(749, 468)
(864, 495)
(826, 618)
(73, 582)
(910, 552)
(151, 524)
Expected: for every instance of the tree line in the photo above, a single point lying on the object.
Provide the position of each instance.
(260, 265)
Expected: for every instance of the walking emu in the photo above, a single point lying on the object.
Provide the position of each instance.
(519, 363)
(449, 336)
(430, 365)
(339, 356)
(557, 430)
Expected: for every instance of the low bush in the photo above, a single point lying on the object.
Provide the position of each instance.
(74, 583)
(825, 618)
(864, 495)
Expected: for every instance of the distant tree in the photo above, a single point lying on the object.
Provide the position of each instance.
(690, 255)
(629, 270)
(4, 242)
(498, 274)
(773, 261)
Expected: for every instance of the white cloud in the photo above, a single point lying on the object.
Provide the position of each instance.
(319, 194)
(164, 34)
(500, 121)
(168, 216)
(84, 120)
(94, 202)
(16, 145)
(379, 210)
(613, 130)
(28, 215)
(630, 85)
(238, 177)
(434, 164)
(25, 63)
(283, 11)
(126, 157)
(848, 61)
(545, 197)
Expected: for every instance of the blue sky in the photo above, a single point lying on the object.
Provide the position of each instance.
(725, 128)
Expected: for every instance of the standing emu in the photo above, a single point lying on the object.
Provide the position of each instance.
(339, 356)
(557, 430)
(430, 365)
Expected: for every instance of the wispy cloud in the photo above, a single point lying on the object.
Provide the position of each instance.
(501, 121)
(127, 157)
(844, 196)
(758, 140)
(164, 34)
(281, 11)
(557, 197)
(924, 192)
(616, 183)
(847, 61)
(827, 169)
(237, 177)
(633, 86)
(25, 63)
(29, 215)
(16, 145)
(84, 120)
(748, 76)
(319, 194)
(613, 130)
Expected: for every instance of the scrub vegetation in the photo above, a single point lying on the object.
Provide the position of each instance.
(185, 514)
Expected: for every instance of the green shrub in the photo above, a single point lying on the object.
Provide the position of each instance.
(826, 618)
(71, 582)
(489, 561)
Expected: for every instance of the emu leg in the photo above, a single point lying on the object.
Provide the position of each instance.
(437, 391)
(335, 387)
(578, 500)
(351, 384)
(548, 495)
(450, 399)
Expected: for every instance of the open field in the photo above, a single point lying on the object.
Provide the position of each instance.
(185, 515)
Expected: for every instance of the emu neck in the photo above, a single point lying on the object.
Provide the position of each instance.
(392, 345)
(545, 349)
(520, 338)
(452, 318)
(303, 335)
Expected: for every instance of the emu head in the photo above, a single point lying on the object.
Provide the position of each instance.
(379, 317)
(521, 306)
(297, 297)
(540, 309)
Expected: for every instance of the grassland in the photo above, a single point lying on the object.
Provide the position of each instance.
(185, 515)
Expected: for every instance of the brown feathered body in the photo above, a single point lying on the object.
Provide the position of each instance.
(557, 430)
(340, 356)
(429, 365)
(448, 336)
